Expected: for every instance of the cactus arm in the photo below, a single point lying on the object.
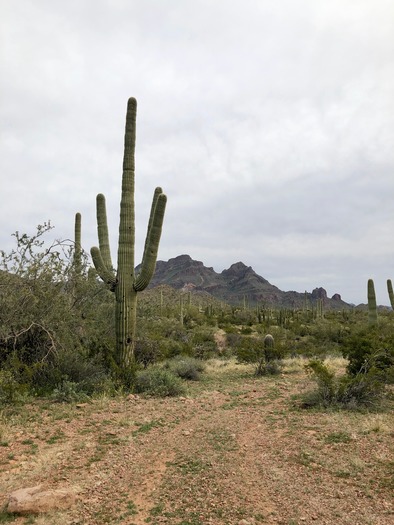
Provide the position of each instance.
(102, 230)
(158, 191)
(391, 293)
(372, 309)
(106, 275)
(152, 244)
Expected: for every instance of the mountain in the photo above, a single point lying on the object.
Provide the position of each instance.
(234, 285)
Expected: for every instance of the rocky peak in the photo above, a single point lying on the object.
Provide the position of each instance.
(238, 269)
(319, 293)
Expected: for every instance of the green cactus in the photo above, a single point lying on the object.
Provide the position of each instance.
(391, 294)
(269, 347)
(372, 308)
(77, 245)
(124, 283)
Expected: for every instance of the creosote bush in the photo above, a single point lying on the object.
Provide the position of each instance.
(158, 382)
(364, 389)
(371, 347)
(186, 367)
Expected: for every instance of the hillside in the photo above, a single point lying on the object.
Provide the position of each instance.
(235, 284)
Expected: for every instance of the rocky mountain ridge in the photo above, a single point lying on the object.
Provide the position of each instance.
(235, 285)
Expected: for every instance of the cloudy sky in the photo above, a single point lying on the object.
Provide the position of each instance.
(268, 123)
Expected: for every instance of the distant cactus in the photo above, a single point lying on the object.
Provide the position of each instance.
(77, 245)
(124, 283)
(372, 308)
(391, 294)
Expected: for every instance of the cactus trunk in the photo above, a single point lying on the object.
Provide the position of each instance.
(125, 323)
(125, 283)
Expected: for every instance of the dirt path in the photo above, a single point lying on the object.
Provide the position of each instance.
(234, 452)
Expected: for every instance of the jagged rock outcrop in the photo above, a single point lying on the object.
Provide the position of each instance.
(319, 293)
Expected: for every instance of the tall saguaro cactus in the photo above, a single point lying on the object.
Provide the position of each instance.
(372, 308)
(123, 282)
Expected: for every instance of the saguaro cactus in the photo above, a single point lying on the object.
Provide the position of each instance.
(390, 291)
(269, 345)
(124, 283)
(77, 245)
(372, 308)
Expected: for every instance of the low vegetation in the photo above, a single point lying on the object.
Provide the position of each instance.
(57, 336)
(191, 433)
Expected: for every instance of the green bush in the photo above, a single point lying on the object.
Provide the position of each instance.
(158, 382)
(371, 348)
(364, 389)
(267, 360)
(68, 392)
(272, 367)
(186, 367)
(11, 391)
(147, 351)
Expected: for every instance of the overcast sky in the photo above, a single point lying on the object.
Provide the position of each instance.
(268, 123)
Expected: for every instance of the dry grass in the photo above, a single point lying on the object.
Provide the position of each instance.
(235, 448)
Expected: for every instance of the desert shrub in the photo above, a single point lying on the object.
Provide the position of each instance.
(205, 351)
(52, 320)
(68, 392)
(273, 367)
(11, 391)
(158, 382)
(233, 339)
(170, 348)
(364, 389)
(371, 348)
(228, 328)
(186, 367)
(266, 358)
(202, 343)
(147, 351)
(89, 374)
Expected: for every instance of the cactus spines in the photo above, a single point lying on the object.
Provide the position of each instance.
(123, 282)
(372, 308)
(390, 291)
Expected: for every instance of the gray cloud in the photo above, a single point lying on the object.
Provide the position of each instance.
(268, 124)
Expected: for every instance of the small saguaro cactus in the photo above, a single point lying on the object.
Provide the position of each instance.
(269, 345)
(123, 282)
(390, 291)
(372, 308)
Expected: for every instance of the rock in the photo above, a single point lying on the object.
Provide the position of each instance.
(319, 293)
(35, 500)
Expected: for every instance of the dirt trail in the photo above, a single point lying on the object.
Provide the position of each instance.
(232, 453)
